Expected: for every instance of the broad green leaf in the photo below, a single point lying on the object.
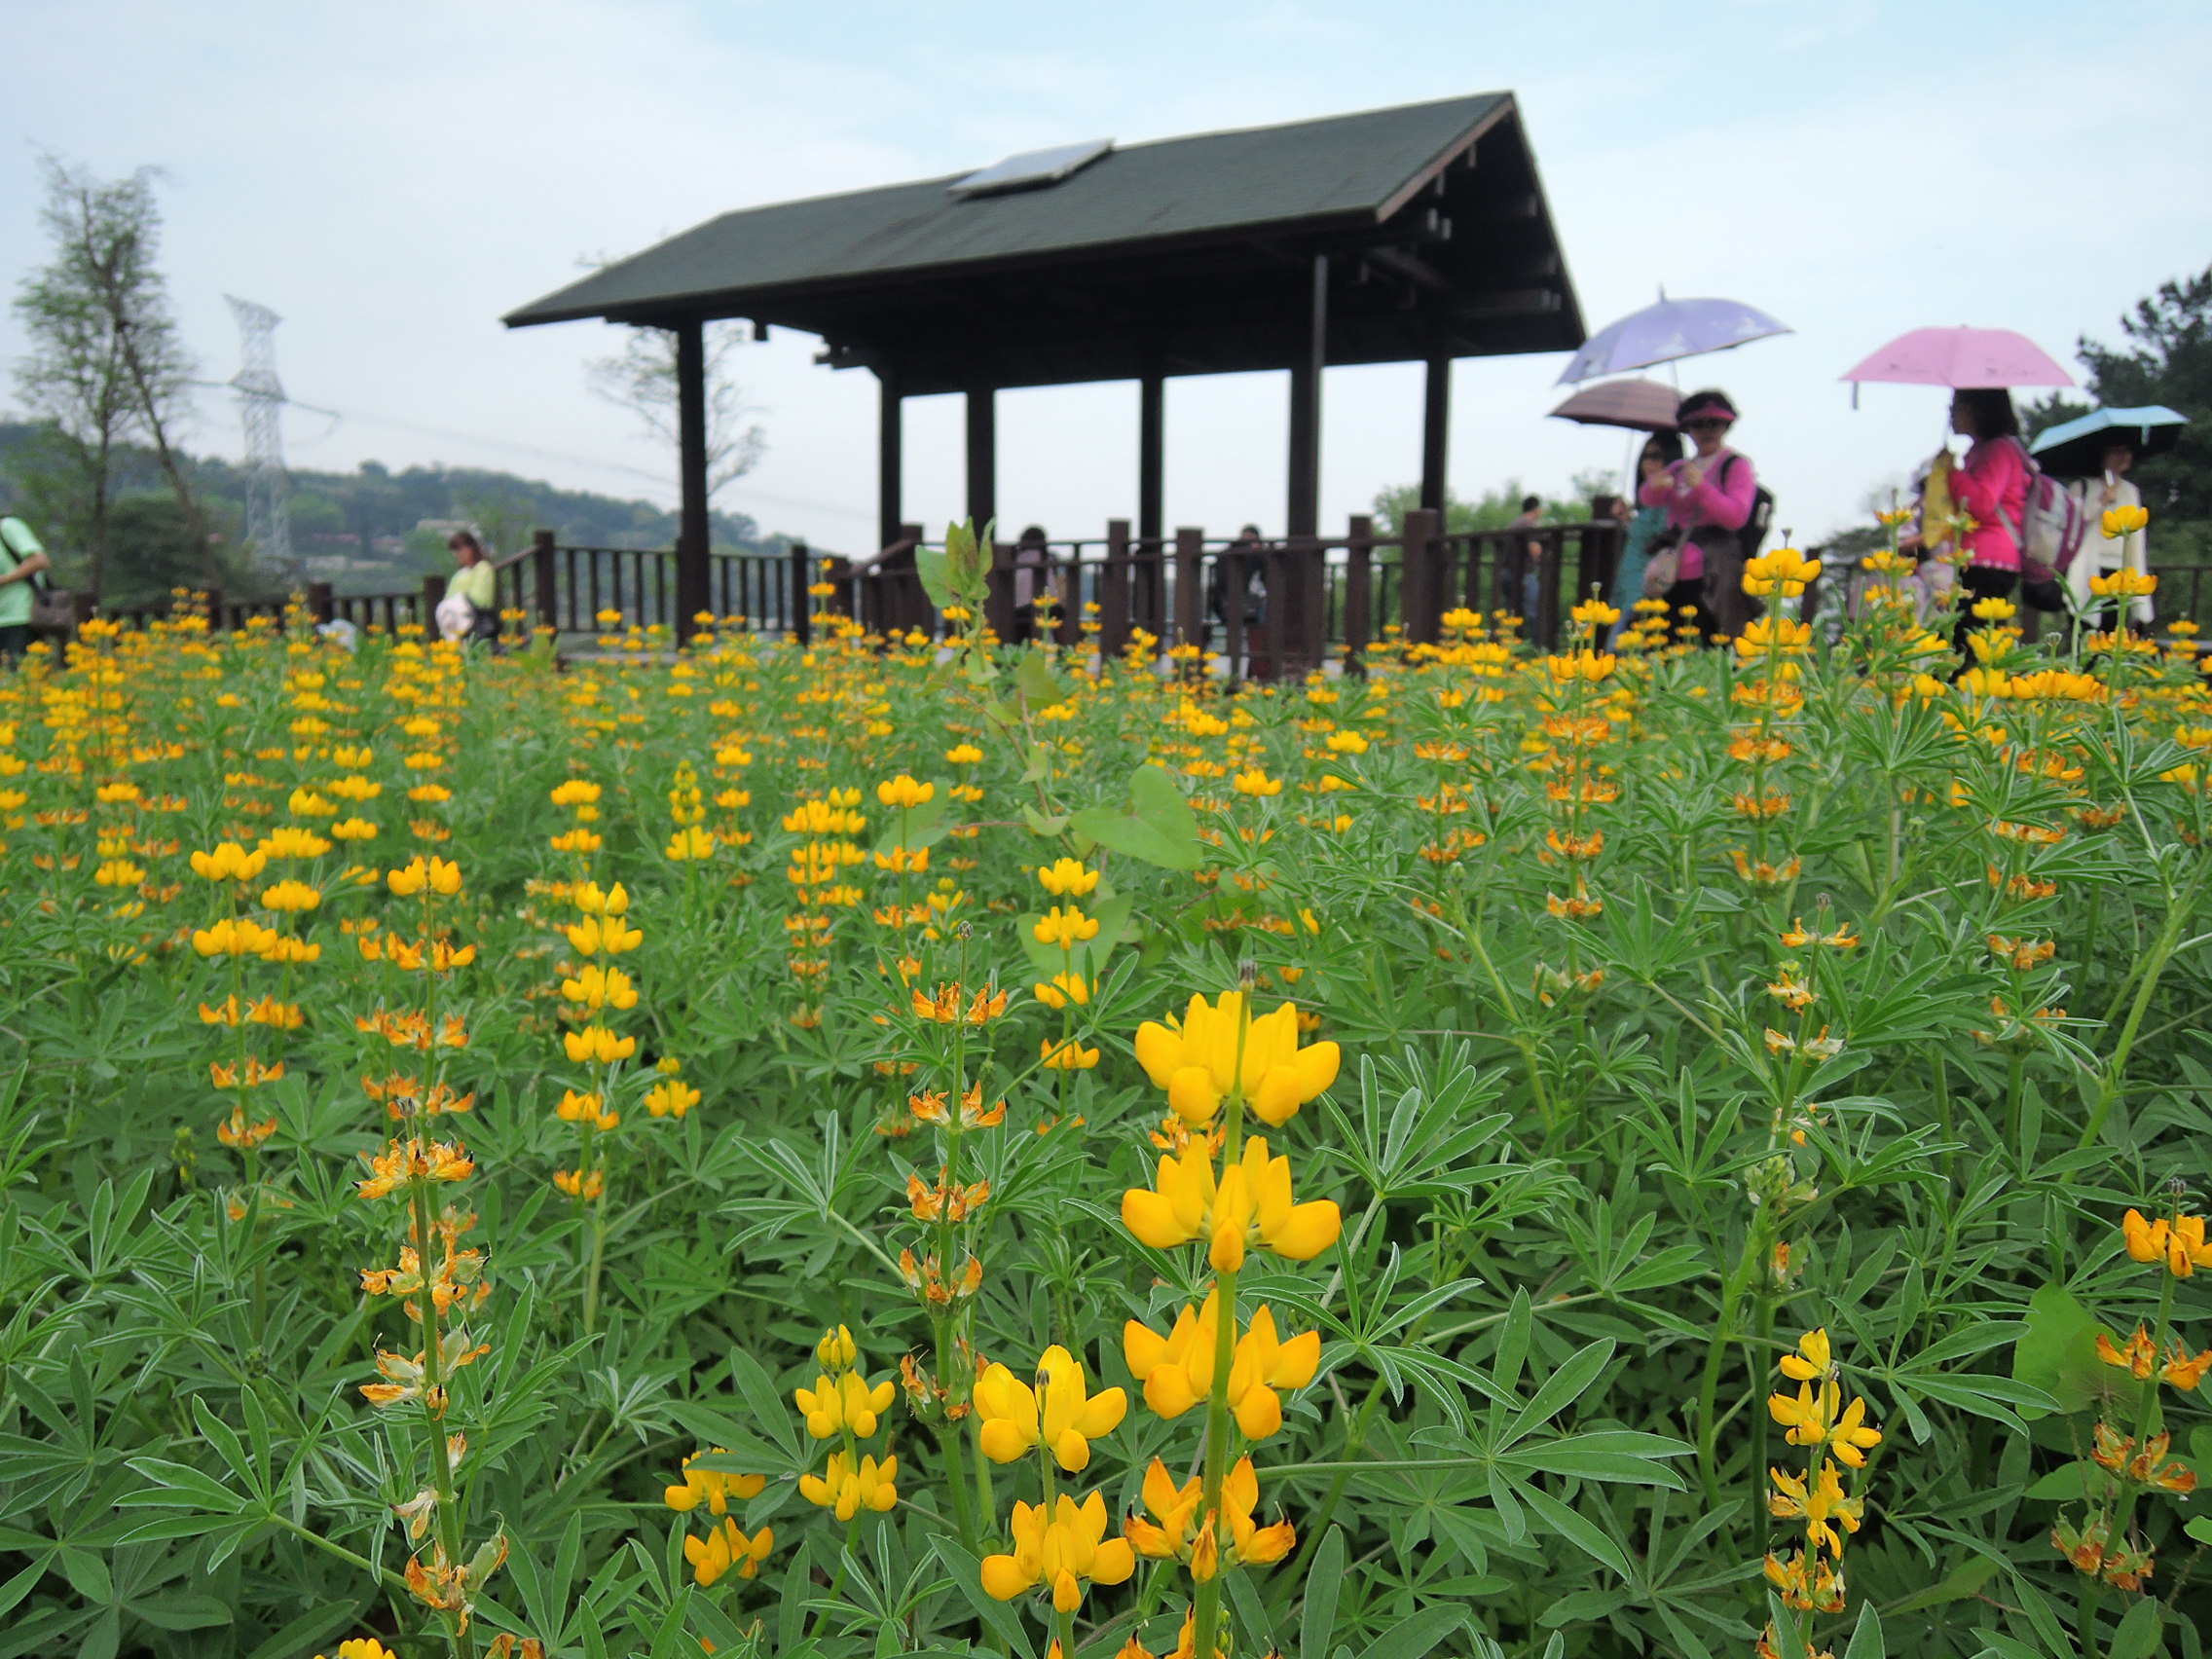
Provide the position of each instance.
(1866, 1635)
(1577, 1530)
(2139, 1635)
(2058, 1353)
(1156, 825)
(1409, 1639)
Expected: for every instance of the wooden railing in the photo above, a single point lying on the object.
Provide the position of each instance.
(1305, 599)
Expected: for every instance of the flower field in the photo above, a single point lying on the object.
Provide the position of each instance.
(892, 1147)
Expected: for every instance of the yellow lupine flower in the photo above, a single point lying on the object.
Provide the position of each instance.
(1178, 1533)
(904, 793)
(291, 896)
(1059, 1553)
(2118, 522)
(2179, 1243)
(1177, 1368)
(1253, 1204)
(1060, 1409)
(712, 1487)
(1193, 1058)
(1064, 877)
(837, 1403)
(848, 1489)
(229, 862)
(1064, 927)
(595, 1043)
(724, 1547)
(689, 843)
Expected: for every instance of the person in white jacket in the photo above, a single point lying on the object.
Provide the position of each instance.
(2101, 554)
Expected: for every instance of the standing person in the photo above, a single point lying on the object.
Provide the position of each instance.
(2101, 554)
(1709, 497)
(1531, 555)
(1242, 569)
(475, 585)
(20, 559)
(1031, 557)
(1647, 528)
(1991, 485)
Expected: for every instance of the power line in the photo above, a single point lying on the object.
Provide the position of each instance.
(452, 435)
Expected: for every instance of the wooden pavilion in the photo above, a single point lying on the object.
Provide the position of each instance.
(1414, 234)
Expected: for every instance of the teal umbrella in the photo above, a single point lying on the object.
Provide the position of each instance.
(2075, 449)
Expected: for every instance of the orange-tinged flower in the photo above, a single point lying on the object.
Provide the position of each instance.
(415, 1160)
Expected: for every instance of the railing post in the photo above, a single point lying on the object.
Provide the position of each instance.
(1359, 591)
(1189, 587)
(998, 601)
(320, 604)
(1420, 578)
(1114, 592)
(433, 591)
(81, 609)
(214, 610)
(799, 623)
(544, 575)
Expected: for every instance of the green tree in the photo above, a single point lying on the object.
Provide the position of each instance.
(2167, 358)
(106, 362)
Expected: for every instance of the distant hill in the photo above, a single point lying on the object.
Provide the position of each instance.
(368, 531)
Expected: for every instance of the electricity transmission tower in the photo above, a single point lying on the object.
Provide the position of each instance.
(261, 404)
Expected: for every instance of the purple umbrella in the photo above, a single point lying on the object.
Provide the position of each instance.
(1640, 405)
(1665, 331)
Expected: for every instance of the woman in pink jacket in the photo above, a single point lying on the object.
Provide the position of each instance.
(1991, 485)
(1709, 497)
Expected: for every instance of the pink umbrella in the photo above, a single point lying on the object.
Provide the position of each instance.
(1640, 405)
(1960, 357)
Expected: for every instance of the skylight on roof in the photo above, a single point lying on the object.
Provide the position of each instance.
(1031, 169)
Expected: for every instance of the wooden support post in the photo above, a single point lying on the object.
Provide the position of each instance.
(1152, 476)
(1304, 514)
(433, 591)
(1435, 433)
(1114, 591)
(799, 623)
(890, 453)
(321, 605)
(1190, 586)
(982, 458)
(544, 575)
(692, 583)
(1421, 587)
(214, 609)
(1359, 591)
(998, 601)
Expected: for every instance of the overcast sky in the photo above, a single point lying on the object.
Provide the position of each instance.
(391, 178)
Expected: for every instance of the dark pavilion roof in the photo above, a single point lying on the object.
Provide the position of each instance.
(1182, 256)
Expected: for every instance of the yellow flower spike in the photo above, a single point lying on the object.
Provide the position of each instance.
(724, 1547)
(862, 1405)
(2180, 1243)
(1851, 1439)
(1057, 1552)
(671, 1098)
(712, 1487)
(1812, 1360)
(1175, 1370)
(1067, 877)
(229, 862)
(1264, 1365)
(1195, 1059)
(1072, 1416)
(1065, 928)
(1254, 1204)
(1166, 1536)
(904, 794)
(597, 1044)
(846, 1488)
(836, 1349)
(2118, 522)
(1255, 1545)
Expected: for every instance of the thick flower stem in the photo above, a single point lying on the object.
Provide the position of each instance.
(1723, 1327)
(2154, 966)
(1208, 1611)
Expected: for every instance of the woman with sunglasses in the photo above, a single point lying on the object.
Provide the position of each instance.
(1709, 497)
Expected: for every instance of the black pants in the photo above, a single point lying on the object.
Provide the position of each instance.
(15, 641)
(1981, 582)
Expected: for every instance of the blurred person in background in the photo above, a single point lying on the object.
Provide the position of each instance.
(1647, 528)
(1707, 497)
(470, 609)
(2101, 554)
(21, 561)
(1532, 553)
(1990, 484)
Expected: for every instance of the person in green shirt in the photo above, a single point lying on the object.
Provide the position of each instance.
(20, 559)
(477, 582)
